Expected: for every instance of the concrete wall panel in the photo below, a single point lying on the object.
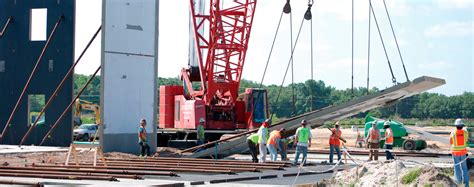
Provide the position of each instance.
(19, 55)
(129, 71)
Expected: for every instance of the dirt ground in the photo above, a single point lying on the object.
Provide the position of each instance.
(22, 159)
(321, 138)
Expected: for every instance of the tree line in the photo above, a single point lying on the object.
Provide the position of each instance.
(312, 95)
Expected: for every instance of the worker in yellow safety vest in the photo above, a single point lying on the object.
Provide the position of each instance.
(201, 132)
(458, 142)
(302, 141)
(388, 140)
(335, 143)
(373, 140)
(252, 142)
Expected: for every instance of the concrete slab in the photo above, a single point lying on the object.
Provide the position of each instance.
(318, 117)
(10, 149)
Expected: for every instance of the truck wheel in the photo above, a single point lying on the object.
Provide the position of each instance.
(423, 144)
(409, 145)
(85, 137)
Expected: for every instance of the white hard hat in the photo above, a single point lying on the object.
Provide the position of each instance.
(459, 122)
(386, 123)
(202, 120)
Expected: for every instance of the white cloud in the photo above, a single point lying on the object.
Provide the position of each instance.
(456, 29)
(455, 4)
(437, 65)
(343, 8)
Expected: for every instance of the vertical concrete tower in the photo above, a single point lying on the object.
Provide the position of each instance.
(129, 73)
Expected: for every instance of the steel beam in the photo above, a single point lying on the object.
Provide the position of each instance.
(140, 168)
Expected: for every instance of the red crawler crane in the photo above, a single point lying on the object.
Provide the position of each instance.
(221, 41)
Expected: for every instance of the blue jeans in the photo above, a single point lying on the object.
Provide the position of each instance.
(301, 149)
(273, 152)
(388, 154)
(282, 149)
(460, 171)
(144, 148)
(331, 152)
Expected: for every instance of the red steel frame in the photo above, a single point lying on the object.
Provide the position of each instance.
(221, 54)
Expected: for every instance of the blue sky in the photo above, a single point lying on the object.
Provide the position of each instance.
(435, 36)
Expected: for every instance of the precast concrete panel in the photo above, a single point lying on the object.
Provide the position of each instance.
(19, 53)
(129, 71)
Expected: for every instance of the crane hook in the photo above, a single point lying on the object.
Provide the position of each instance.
(287, 7)
(307, 14)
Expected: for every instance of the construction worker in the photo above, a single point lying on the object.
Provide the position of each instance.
(359, 140)
(284, 144)
(252, 142)
(388, 140)
(273, 143)
(335, 143)
(373, 141)
(303, 141)
(458, 143)
(200, 132)
(142, 139)
(262, 141)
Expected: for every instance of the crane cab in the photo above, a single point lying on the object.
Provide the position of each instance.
(255, 111)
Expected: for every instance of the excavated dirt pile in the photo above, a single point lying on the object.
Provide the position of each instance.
(377, 173)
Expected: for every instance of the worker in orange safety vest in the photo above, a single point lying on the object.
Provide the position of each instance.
(458, 143)
(373, 141)
(273, 143)
(335, 143)
(388, 140)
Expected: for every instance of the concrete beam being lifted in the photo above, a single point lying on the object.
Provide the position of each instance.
(317, 118)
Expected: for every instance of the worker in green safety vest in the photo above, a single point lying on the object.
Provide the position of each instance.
(303, 141)
(252, 142)
(200, 132)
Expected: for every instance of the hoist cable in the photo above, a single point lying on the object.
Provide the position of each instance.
(368, 49)
(271, 51)
(352, 38)
(312, 78)
(259, 95)
(291, 57)
(396, 41)
(394, 80)
(292, 67)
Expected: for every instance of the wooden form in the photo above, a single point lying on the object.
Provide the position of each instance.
(88, 145)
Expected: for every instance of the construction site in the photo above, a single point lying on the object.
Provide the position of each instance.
(209, 128)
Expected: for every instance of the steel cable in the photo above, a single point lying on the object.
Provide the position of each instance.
(38, 61)
(288, 66)
(394, 80)
(69, 106)
(396, 41)
(70, 71)
(368, 49)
